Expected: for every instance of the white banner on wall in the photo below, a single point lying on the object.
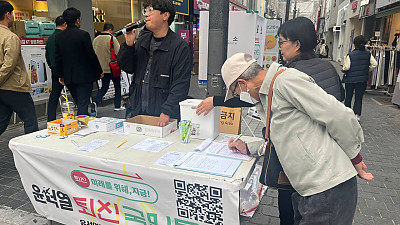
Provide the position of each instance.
(271, 53)
(39, 72)
(246, 33)
(78, 189)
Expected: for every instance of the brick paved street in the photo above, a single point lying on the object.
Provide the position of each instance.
(378, 202)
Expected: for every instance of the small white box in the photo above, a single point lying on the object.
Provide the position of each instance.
(203, 127)
(148, 125)
(105, 124)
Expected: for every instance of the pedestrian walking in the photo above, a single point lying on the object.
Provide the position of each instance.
(15, 87)
(77, 65)
(323, 49)
(56, 87)
(101, 46)
(356, 67)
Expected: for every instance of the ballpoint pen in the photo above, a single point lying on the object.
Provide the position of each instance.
(237, 138)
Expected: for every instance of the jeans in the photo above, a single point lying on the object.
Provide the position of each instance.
(55, 93)
(286, 213)
(81, 94)
(359, 89)
(22, 104)
(105, 83)
(331, 207)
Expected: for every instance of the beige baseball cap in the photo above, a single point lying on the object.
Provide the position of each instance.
(233, 68)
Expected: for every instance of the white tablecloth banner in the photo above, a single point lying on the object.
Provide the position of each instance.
(76, 189)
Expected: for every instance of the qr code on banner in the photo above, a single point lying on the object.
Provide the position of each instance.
(202, 203)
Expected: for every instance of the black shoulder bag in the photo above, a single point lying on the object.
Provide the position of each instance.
(272, 173)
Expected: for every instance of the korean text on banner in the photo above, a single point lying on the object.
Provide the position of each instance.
(73, 188)
(230, 120)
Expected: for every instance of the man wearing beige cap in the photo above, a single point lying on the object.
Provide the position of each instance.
(315, 147)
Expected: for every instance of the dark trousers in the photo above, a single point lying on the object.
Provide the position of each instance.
(359, 89)
(105, 83)
(334, 206)
(81, 94)
(286, 213)
(55, 93)
(22, 104)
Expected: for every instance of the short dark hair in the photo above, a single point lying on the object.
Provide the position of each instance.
(322, 41)
(5, 7)
(360, 42)
(70, 15)
(59, 21)
(163, 6)
(108, 26)
(300, 29)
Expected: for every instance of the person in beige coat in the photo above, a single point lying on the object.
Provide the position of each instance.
(317, 139)
(15, 86)
(101, 46)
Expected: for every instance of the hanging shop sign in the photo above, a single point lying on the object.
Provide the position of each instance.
(184, 34)
(354, 6)
(21, 15)
(364, 2)
(355, 9)
(181, 6)
(383, 3)
(201, 5)
(367, 9)
(98, 15)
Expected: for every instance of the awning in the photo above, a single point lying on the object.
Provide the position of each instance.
(388, 12)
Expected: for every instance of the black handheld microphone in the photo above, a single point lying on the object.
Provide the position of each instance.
(135, 25)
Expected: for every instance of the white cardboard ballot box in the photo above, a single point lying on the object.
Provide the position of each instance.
(105, 124)
(203, 127)
(148, 125)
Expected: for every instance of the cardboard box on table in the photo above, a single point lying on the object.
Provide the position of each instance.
(230, 120)
(62, 127)
(148, 125)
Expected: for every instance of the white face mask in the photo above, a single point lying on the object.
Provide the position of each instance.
(245, 97)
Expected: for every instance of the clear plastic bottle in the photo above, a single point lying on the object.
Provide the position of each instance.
(69, 110)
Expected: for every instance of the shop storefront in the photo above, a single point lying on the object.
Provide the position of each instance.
(339, 33)
(388, 11)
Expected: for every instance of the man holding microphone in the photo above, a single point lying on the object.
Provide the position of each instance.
(161, 62)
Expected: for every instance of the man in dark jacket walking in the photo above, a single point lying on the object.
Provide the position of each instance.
(77, 65)
(56, 87)
(161, 62)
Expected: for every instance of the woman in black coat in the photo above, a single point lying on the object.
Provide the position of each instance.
(357, 65)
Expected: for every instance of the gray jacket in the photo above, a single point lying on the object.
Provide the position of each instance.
(315, 136)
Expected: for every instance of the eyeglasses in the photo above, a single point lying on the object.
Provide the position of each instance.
(281, 42)
(233, 92)
(149, 10)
